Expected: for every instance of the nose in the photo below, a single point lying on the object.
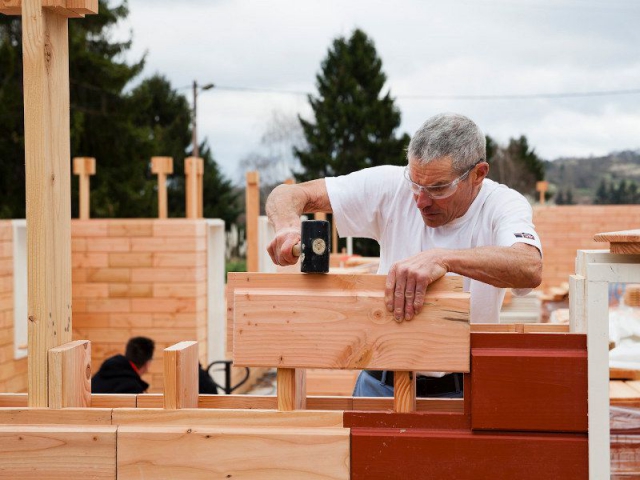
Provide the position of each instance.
(423, 200)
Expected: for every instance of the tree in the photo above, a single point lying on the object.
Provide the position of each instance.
(354, 121)
(516, 165)
(122, 130)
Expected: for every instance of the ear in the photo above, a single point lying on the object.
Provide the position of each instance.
(480, 173)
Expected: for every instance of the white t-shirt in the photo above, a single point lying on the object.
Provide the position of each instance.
(376, 203)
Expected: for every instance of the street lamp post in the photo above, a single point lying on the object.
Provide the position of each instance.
(194, 130)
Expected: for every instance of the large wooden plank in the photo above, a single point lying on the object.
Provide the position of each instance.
(420, 454)
(70, 375)
(529, 385)
(65, 416)
(348, 330)
(625, 242)
(55, 452)
(238, 453)
(45, 47)
(330, 281)
(228, 418)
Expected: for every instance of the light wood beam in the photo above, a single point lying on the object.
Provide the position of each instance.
(162, 166)
(84, 167)
(181, 375)
(252, 209)
(70, 375)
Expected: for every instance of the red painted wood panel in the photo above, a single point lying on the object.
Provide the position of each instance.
(445, 455)
(529, 382)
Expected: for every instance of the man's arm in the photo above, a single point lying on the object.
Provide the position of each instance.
(284, 206)
(518, 266)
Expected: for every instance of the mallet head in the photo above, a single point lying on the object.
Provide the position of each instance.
(315, 246)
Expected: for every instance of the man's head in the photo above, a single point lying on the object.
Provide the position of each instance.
(139, 351)
(446, 167)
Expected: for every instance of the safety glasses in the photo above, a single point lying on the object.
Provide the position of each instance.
(437, 192)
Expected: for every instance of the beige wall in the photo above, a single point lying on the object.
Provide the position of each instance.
(565, 229)
(13, 373)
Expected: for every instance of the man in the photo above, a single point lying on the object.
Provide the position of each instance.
(464, 224)
(122, 373)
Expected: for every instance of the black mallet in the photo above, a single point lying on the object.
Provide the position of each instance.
(314, 246)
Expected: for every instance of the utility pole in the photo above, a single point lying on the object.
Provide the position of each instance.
(194, 129)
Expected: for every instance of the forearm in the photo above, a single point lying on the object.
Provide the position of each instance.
(286, 203)
(518, 266)
(284, 206)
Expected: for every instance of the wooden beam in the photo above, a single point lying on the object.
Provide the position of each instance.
(404, 392)
(84, 167)
(181, 375)
(152, 452)
(162, 166)
(200, 196)
(291, 388)
(64, 8)
(64, 416)
(252, 209)
(47, 150)
(191, 186)
(542, 374)
(58, 452)
(228, 417)
(331, 281)
(625, 242)
(70, 375)
(308, 328)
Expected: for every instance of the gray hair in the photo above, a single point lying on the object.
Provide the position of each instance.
(448, 134)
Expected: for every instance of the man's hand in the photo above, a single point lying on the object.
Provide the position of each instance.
(408, 280)
(281, 248)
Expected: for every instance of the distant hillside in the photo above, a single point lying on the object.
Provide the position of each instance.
(583, 175)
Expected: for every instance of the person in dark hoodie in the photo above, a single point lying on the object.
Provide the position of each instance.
(122, 373)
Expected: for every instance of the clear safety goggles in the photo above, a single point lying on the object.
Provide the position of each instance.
(437, 192)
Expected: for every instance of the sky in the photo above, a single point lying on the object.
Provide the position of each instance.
(500, 62)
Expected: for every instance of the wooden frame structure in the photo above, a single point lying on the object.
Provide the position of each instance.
(113, 441)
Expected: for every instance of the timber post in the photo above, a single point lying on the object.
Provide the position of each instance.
(84, 167)
(162, 166)
(45, 46)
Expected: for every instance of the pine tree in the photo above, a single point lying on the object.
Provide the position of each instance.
(355, 122)
(602, 193)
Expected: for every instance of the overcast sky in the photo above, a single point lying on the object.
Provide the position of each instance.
(428, 49)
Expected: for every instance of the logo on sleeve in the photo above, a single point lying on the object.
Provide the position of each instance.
(528, 236)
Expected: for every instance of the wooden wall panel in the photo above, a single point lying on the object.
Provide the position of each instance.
(300, 327)
(529, 382)
(57, 452)
(13, 373)
(565, 229)
(244, 453)
(139, 277)
(419, 454)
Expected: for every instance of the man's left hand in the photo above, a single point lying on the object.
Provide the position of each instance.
(407, 282)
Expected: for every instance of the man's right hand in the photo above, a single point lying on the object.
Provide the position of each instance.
(281, 248)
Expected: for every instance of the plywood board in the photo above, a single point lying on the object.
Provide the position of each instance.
(208, 453)
(348, 330)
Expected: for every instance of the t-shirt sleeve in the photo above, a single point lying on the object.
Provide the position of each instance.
(514, 222)
(359, 200)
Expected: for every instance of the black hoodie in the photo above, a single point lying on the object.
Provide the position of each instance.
(116, 375)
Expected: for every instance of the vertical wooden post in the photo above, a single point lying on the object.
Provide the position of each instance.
(181, 375)
(162, 166)
(404, 396)
(84, 167)
(252, 212)
(70, 375)
(292, 389)
(334, 235)
(200, 199)
(45, 47)
(542, 187)
(191, 186)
